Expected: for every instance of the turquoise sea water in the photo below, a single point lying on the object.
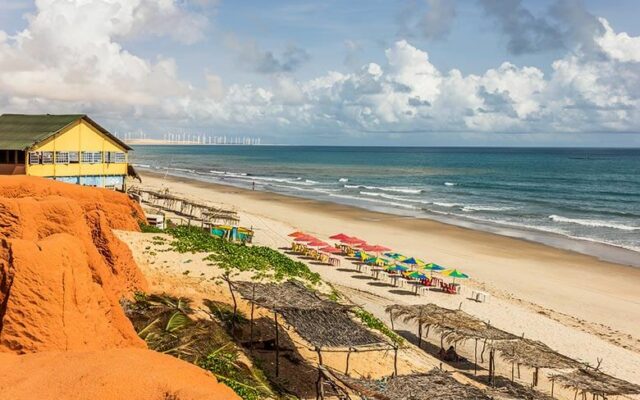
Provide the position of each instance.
(574, 198)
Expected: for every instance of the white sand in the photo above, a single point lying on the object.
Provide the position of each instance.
(576, 304)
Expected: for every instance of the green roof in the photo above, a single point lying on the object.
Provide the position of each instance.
(21, 131)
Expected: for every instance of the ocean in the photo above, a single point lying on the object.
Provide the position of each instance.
(587, 200)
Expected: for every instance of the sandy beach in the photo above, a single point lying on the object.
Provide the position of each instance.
(576, 304)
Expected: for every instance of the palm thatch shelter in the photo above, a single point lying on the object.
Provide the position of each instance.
(433, 385)
(532, 354)
(591, 381)
(277, 296)
(319, 321)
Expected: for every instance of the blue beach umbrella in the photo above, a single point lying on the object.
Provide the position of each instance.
(396, 256)
(412, 261)
(396, 268)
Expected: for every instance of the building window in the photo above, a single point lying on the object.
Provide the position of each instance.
(47, 157)
(91, 157)
(62, 157)
(74, 157)
(115, 157)
(34, 157)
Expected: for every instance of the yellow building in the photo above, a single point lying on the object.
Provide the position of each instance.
(69, 148)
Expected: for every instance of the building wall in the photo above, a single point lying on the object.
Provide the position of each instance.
(80, 137)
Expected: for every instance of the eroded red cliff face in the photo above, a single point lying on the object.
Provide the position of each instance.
(63, 272)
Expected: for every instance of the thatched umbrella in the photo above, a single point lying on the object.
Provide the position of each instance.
(532, 354)
(589, 380)
(434, 385)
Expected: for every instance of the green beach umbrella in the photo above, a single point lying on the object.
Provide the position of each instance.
(417, 275)
(397, 268)
(376, 260)
(431, 267)
(396, 256)
(454, 273)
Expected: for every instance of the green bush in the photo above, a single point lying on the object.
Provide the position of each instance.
(233, 256)
(146, 228)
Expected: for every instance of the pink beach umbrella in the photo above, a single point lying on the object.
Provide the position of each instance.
(317, 243)
(353, 240)
(305, 238)
(339, 236)
(375, 248)
(297, 234)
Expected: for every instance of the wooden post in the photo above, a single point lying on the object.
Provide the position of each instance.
(319, 387)
(491, 367)
(535, 377)
(475, 358)
(275, 319)
(518, 370)
(346, 370)
(513, 367)
(391, 317)
(395, 360)
(419, 335)
(553, 381)
(253, 297)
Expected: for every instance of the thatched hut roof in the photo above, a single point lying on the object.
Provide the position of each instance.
(589, 380)
(533, 354)
(454, 325)
(327, 327)
(319, 321)
(276, 296)
(434, 385)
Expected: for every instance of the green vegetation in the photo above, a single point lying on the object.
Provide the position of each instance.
(374, 323)
(165, 323)
(146, 228)
(240, 257)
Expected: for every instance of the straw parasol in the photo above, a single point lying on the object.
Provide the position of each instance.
(591, 380)
(433, 385)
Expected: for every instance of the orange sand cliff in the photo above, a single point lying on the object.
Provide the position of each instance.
(62, 275)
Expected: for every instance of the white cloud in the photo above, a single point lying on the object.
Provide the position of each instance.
(71, 60)
(619, 46)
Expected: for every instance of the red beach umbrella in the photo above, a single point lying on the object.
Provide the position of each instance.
(297, 234)
(331, 250)
(353, 240)
(305, 238)
(376, 248)
(339, 236)
(317, 243)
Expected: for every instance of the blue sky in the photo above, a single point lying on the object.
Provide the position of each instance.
(416, 72)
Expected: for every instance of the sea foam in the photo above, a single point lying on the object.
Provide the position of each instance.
(593, 223)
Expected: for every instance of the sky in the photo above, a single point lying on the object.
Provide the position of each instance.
(403, 72)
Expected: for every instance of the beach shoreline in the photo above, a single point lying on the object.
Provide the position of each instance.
(568, 282)
(607, 252)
